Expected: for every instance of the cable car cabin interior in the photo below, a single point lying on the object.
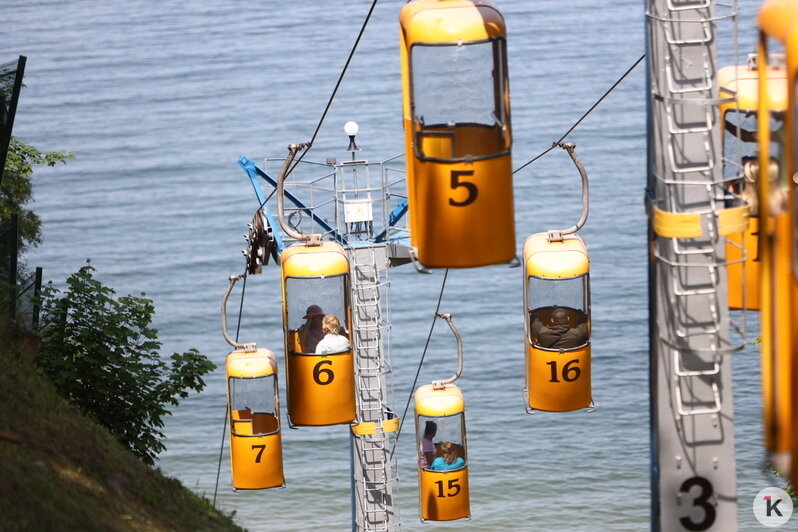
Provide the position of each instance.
(576, 335)
(442, 453)
(320, 381)
(446, 439)
(557, 299)
(248, 423)
(458, 100)
(255, 442)
(741, 167)
(456, 105)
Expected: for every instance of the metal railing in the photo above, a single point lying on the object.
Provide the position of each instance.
(20, 300)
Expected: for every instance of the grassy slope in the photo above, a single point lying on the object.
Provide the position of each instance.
(66, 472)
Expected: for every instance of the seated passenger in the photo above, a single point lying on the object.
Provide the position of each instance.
(449, 460)
(310, 333)
(427, 448)
(560, 335)
(333, 342)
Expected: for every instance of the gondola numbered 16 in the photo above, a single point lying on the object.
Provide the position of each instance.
(557, 314)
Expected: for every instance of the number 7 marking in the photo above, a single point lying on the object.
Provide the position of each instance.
(260, 453)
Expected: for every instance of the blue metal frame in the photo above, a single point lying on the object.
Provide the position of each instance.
(254, 173)
(396, 214)
(251, 170)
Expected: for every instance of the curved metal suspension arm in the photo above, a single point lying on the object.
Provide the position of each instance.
(290, 231)
(246, 347)
(442, 383)
(570, 147)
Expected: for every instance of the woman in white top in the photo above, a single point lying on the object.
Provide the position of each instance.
(333, 342)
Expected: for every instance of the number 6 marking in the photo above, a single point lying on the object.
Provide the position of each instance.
(471, 187)
(319, 372)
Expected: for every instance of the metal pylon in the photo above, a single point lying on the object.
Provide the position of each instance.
(693, 483)
(374, 470)
(365, 216)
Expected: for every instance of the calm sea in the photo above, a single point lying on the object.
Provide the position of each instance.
(159, 99)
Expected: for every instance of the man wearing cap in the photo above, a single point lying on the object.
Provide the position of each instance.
(560, 335)
(311, 331)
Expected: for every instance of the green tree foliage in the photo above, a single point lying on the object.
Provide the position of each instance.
(103, 356)
(18, 189)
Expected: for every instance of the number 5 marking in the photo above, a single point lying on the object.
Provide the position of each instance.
(470, 187)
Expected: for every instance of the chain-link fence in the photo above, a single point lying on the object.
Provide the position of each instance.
(10, 85)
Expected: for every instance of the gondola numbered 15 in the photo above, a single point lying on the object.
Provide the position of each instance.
(441, 442)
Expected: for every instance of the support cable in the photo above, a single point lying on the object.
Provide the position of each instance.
(335, 90)
(227, 408)
(420, 362)
(557, 143)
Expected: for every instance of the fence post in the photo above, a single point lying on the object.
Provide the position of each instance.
(8, 104)
(37, 295)
(13, 242)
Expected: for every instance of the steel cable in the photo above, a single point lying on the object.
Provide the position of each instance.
(554, 144)
(420, 362)
(335, 90)
(227, 408)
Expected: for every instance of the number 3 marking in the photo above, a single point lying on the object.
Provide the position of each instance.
(701, 501)
(470, 187)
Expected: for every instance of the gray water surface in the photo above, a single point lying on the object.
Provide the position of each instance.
(158, 101)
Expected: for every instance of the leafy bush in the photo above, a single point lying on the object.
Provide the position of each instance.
(15, 193)
(103, 356)
(18, 190)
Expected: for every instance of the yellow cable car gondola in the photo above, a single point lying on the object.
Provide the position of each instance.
(557, 314)
(320, 378)
(441, 443)
(740, 144)
(253, 400)
(778, 20)
(557, 295)
(456, 105)
(256, 455)
(317, 324)
(790, 141)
